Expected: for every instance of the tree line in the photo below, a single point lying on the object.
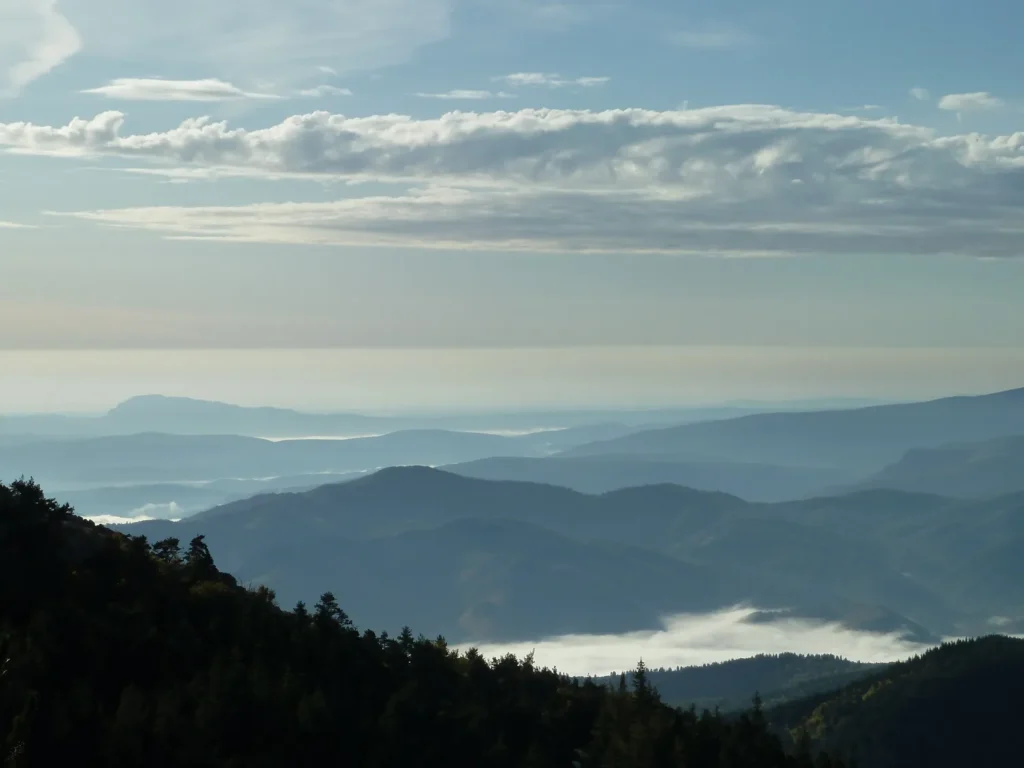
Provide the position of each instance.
(115, 651)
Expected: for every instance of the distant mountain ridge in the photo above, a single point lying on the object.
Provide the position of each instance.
(862, 439)
(601, 474)
(182, 415)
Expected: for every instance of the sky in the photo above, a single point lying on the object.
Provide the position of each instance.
(504, 175)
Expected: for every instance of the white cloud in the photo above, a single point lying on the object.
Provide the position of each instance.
(970, 102)
(735, 180)
(712, 37)
(548, 15)
(466, 95)
(168, 511)
(34, 38)
(324, 70)
(245, 41)
(520, 79)
(155, 89)
(921, 94)
(15, 225)
(320, 91)
(117, 520)
(705, 639)
(171, 512)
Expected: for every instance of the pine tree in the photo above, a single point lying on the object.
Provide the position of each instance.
(168, 550)
(198, 560)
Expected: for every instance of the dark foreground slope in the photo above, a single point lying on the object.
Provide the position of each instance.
(958, 705)
(114, 652)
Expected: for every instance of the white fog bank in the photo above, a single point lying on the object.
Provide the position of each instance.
(690, 640)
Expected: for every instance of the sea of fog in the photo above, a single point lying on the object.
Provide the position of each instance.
(690, 640)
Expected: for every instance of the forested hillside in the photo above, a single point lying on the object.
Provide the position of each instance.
(119, 652)
(957, 705)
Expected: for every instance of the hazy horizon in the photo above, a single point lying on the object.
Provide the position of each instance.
(578, 378)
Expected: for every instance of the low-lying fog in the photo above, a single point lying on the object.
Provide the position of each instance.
(116, 520)
(690, 640)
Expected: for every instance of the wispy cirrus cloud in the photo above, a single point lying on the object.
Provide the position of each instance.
(921, 94)
(548, 15)
(980, 101)
(233, 40)
(321, 91)
(16, 225)
(712, 37)
(35, 37)
(549, 80)
(739, 180)
(467, 95)
(156, 89)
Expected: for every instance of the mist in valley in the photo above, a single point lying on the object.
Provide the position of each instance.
(697, 639)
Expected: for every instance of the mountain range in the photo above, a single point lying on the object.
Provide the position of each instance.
(483, 560)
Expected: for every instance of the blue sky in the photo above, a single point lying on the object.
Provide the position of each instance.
(511, 173)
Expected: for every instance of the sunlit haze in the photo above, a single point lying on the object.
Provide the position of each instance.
(453, 379)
